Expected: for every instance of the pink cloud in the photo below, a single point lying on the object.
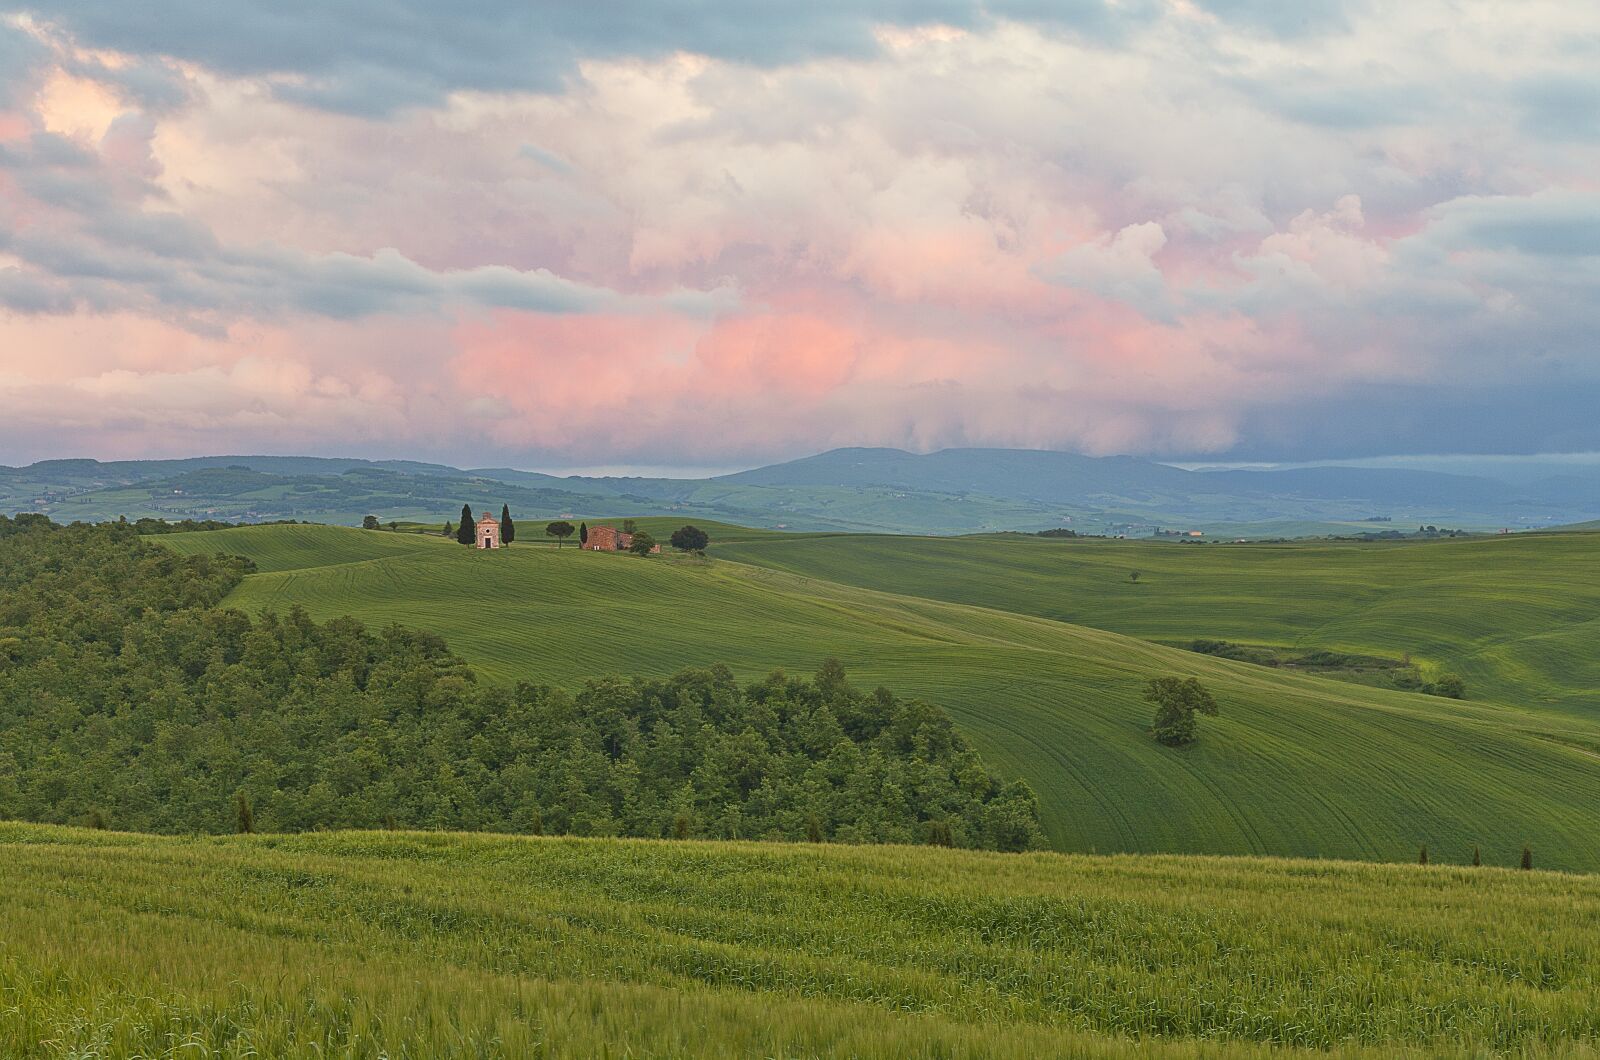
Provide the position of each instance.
(1005, 236)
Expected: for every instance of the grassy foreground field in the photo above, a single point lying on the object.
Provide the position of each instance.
(1518, 616)
(412, 945)
(1295, 765)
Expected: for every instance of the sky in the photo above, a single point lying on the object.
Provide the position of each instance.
(708, 233)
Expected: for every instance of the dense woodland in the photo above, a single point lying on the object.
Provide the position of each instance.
(130, 699)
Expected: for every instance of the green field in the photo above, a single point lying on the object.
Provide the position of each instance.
(1296, 765)
(412, 945)
(1518, 616)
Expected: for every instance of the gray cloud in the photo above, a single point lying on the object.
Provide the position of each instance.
(1285, 18)
(21, 56)
(1552, 223)
(1553, 415)
(153, 85)
(1565, 106)
(370, 57)
(95, 249)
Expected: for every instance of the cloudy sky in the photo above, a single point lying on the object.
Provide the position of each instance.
(716, 233)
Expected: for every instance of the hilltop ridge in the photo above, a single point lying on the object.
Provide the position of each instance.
(876, 490)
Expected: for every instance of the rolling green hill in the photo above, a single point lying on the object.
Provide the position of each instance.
(1518, 616)
(1295, 766)
(407, 944)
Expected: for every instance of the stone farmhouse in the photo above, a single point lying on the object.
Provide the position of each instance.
(610, 539)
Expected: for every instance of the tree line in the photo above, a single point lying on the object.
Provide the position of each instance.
(130, 699)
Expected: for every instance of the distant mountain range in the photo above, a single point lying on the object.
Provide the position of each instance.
(875, 490)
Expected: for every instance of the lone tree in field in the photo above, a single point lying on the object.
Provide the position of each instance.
(1477, 855)
(583, 534)
(1422, 858)
(369, 522)
(560, 530)
(690, 539)
(1133, 576)
(1527, 857)
(1178, 700)
(508, 529)
(448, 529)
(464, 531)
(642, 544)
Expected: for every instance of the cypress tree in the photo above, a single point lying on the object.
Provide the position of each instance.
(246, 817)
(464, 531)
(1422, 859)
(583, 534)
(1477, 856)
(448, 529)
(1527, 857)
(508, 529)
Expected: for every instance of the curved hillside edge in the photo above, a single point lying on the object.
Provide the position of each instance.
(1517, 615)
(1294, 766)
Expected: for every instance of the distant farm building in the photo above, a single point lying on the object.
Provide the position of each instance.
(610, 539)
(488, 535)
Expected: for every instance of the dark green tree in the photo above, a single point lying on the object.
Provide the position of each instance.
(448, 529)
(1422, 858)
(390, 729)
(1177, 701)
(560, 530)
(1527, 857)
(1451, 686)
(583, 533)
(464, 532)
(642, 544)
(629, 526)
(690, 539)
(508, 529)
(369, 522)
(1477, 855)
